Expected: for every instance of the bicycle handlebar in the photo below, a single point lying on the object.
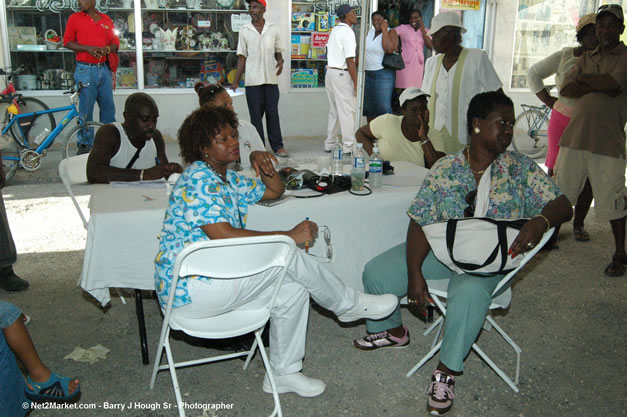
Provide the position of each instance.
(16, 71)
(76, 90)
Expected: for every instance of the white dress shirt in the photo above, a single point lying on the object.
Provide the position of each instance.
(341, 45)
(478, 76)
(259, 50)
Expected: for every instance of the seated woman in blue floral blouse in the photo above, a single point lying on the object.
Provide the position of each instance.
(210, 202)
(518, 189)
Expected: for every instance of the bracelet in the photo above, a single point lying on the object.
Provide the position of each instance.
(424, 142)
(141, 175)
(109, 49)
(548, 224)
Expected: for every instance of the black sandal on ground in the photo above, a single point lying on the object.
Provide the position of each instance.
(616, 268)
(580, 234)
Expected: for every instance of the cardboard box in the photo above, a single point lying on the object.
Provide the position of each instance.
(304, 78)
(303, 22)
(22, 35)
(300, 46)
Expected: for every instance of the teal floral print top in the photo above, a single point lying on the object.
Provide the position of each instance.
(518, 189)
(198, 198)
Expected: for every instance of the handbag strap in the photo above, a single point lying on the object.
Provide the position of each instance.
(501, 228)
(134, 158)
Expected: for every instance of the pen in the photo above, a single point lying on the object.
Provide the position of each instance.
(157, 161)
(307, 242)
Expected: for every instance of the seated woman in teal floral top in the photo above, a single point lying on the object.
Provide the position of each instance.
(210, 202)
(518, 189)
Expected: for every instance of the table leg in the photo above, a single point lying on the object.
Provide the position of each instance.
(139, 310)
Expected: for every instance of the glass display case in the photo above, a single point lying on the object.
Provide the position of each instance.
(183, 41)
(312, 22)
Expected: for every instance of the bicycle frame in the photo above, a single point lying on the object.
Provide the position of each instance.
(72, 113)
(537, 122)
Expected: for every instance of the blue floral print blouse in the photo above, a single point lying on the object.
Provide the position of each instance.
(199, 197)
(518, 189)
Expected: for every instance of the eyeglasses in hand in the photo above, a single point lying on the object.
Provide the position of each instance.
(471, 199)
(326, 233)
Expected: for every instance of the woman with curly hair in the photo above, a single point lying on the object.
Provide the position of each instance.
(210, 201)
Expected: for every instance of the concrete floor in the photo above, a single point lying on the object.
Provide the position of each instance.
(568, 318)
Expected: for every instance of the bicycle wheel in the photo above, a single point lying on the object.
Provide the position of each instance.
(70, 146)
(530, 133)
(33, 126)
(9, 149)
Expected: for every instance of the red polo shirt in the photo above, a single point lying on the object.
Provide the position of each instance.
(82, 29)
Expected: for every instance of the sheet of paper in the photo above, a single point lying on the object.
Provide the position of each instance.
(139, 184)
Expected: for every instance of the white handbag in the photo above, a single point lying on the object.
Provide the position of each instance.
(475, 245)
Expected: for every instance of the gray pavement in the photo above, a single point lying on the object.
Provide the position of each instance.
(568, 318)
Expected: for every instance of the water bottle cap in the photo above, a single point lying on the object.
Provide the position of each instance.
(360, 146)
(375, 149)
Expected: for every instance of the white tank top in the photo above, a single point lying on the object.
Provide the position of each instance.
(124, 155)
(374, 52)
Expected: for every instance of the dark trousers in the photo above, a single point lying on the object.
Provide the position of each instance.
(8, 254)
(264, 99)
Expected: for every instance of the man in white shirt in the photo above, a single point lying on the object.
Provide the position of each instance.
(452, 78)
(260, 59)
(341, 79)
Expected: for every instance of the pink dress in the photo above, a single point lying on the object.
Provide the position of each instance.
(413, 56)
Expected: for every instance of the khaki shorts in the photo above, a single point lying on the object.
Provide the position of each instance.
(607, 178)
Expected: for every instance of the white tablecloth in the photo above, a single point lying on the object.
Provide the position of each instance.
(124, 224)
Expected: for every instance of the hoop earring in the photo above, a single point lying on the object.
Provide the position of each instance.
(477, 130)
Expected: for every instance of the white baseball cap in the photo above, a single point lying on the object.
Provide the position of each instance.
(411, 93)
(446, 19)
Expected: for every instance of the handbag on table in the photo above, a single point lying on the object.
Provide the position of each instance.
(394, 60)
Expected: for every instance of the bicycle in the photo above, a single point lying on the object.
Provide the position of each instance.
(21, 104)
(530, 129)
(17, 151)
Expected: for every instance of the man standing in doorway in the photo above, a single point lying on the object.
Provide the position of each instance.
(341, 79)
(593, 144)
(259, 56)
(90, 34)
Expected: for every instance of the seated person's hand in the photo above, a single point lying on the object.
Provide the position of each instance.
(261, 162)
(418, 297)
(158, 172)
(171, 168)
(528, 237)
(305, 231)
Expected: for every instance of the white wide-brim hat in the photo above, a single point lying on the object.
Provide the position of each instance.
(446, 19)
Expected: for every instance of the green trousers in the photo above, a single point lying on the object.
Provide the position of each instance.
(468, 300)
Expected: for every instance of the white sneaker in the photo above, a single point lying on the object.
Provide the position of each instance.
(372, 307)
(297, 383)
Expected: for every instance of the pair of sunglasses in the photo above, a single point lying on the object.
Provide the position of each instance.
(471, 199)
(326, 233)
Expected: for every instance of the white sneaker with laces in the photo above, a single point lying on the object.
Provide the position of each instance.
(370, 306)
(297, 383)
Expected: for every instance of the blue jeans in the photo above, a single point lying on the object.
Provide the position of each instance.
(100, 89)
(378, 92)
(12, 399)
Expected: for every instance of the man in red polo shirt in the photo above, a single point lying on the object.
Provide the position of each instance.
(91, 35)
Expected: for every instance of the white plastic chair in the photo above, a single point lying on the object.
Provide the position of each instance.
(73, 170)
(225, 259)
(438, 291)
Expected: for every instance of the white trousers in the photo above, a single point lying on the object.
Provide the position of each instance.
(288, 320)
(339, 86)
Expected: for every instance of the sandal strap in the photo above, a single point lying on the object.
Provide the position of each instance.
(57, 387)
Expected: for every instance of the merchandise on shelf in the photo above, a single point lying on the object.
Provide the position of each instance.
(322, 22)
(212, 71)
(304, 78)
(303, 22)
(301, 46)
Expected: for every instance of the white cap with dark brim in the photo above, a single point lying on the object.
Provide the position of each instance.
(446, 19)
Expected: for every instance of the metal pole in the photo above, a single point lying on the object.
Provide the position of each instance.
(363, 31)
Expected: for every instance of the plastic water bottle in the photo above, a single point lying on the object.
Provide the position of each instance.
(41, 136)
(337, 164)
(358, 171)
(375, 169)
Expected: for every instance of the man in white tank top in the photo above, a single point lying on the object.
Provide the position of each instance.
(133, 150)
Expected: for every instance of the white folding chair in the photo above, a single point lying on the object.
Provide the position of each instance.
(438, 291)
(73, 170)
(225, 259)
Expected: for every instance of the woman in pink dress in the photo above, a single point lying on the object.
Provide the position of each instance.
(414, 37)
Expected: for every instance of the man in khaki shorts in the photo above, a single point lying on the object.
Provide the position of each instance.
(593, 144)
